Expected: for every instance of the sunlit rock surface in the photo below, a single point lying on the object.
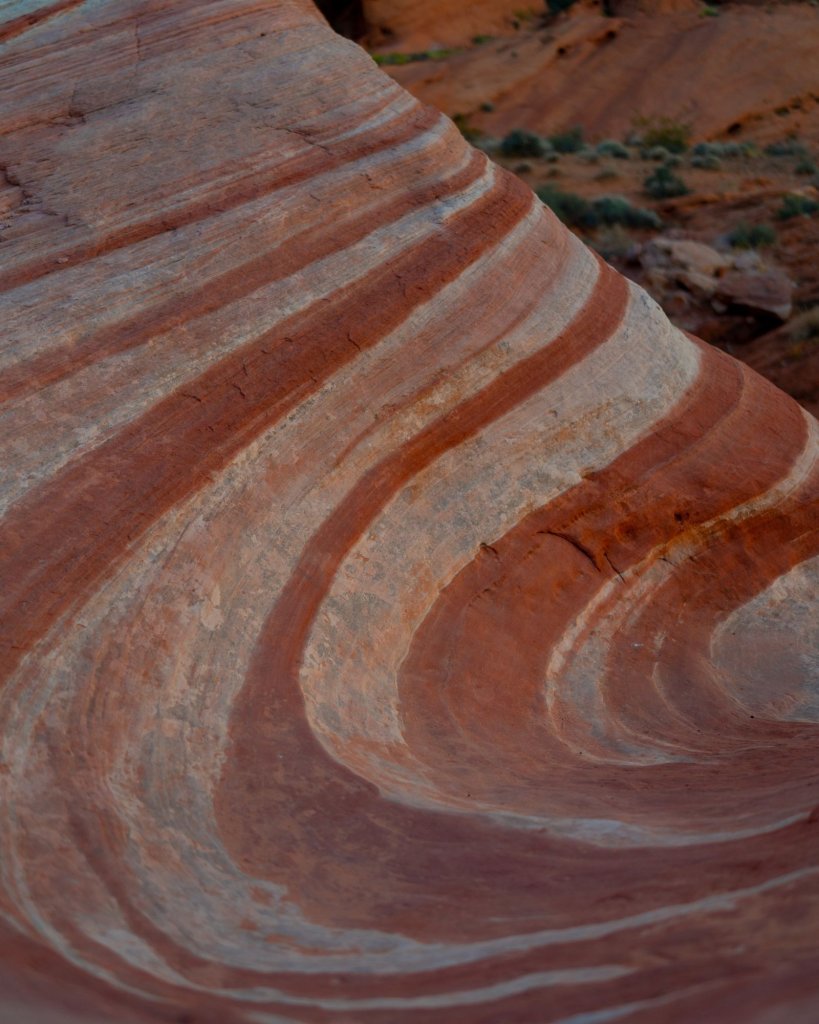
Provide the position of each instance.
(401, 621)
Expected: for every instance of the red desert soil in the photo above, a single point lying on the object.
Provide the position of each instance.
(401, 619)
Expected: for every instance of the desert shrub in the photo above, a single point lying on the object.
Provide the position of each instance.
(470, 133)
(556, 6)
(522, 143)
(656, 153)
(618, 210)
(607, 174)
(709, 11)
(668, 132)
(572, 209)
(806, 166)
(795, 205)
(806, 326)
(391, 59)
(570, 141)
(589, 155)
(664, 184)
(707, 162)
(611, 147)
(487, 107)
(480, 40)
(751, 236)
(786, 147)
(722, 150)
(614, 243)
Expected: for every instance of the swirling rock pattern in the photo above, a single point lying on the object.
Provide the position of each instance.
(401, 619)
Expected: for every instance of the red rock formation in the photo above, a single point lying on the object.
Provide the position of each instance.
(425, 23)
(401, 619)
(752, 64)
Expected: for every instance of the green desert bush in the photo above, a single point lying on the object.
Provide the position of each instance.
(522, 143)
(805, 327)
(723, 150)
(572, 209)
(673, 135)
(795, 205)
(570, 141)
(618, 210)
(751, 236)
(786, 147)
(611, 147)
(578, 212)
(806, 166)
(707, 162)
(664, 184)
(659, 153)
(614, 243)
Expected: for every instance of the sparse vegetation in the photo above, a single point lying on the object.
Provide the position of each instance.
(806, 166)
(796, 205)
(570, 141)
(611, 147)
(674, 135)
(806, 326)
(707, 162)
(614, 243)
(726, 150)
(751, 236)
(522, 143)
(572, 209)
(664, 184)
(786, 147)
(578, 212)
(469, 132)
(392, 59)
(618, 210)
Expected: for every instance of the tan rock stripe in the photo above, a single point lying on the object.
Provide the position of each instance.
(590, 329)
(30, 375)
(221, 197)
(463, 723)
(53, 556)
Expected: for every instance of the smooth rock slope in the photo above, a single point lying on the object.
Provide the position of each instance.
(401, 620)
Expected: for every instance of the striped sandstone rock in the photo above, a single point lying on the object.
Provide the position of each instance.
(401, 620)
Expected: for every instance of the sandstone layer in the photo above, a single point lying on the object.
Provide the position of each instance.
(401, 620)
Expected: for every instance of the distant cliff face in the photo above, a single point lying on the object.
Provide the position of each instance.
(401, 620)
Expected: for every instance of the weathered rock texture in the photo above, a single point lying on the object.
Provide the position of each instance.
(401, 620)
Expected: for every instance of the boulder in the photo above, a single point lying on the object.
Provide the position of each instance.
(767, 292)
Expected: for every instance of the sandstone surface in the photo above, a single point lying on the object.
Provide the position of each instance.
(401, 619)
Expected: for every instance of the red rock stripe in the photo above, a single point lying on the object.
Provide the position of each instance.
(13, 27)
(590, 329)
(747, 556)
(29, 376)
(51, 557)
(222, 198)
(505, 612)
